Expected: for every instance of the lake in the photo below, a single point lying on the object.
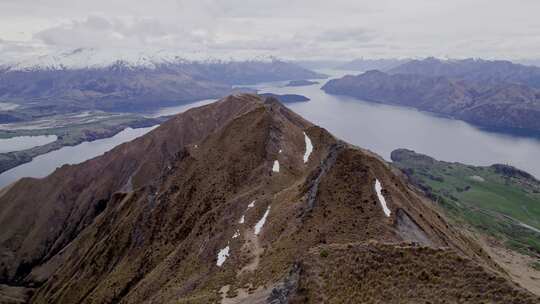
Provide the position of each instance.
(377, 127)
(45, 164)
(24, 142)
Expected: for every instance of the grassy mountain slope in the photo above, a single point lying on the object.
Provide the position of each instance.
(499, 200)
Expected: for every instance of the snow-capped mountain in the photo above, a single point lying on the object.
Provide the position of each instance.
(134, 80)
(91, 58)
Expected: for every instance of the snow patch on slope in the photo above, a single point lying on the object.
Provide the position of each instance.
(223, 254)
(261, 222)
(382, 200)
(309, 148)
(275, 167)
(243, 218)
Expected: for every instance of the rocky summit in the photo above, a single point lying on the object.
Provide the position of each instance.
(239, 201)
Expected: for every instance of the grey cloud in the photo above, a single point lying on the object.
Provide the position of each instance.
(286, 28)
(347, 34)
(97, 31)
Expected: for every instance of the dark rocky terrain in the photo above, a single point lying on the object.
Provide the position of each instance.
(239, 201)
(493, 104)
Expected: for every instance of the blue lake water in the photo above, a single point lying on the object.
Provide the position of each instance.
(45, 164)
(24, 142)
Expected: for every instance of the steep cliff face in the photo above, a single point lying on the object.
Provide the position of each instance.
(256, 205)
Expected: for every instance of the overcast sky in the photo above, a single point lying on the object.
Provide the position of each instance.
(293, 29)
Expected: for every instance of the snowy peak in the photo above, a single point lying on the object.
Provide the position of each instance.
(91, 58)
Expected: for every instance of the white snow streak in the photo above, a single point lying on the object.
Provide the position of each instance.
(261, 222)
(528, 227)
(222, 256)
(275, 168)
(243, 218)
(309, 148)
(378, 189)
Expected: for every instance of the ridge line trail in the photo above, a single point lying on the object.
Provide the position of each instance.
(253, 247)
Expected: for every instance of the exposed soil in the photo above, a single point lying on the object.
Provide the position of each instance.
(517, 265)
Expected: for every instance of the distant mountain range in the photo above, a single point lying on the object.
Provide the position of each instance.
(474, 70)
(496, 94)
(360, 64)
(239, 201)
(88, 79)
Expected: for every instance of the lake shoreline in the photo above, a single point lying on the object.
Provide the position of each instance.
(10, 160)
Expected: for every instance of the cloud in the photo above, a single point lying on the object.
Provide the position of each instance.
(98, 31)
(15, 50)
(284, 28)
(347, 34)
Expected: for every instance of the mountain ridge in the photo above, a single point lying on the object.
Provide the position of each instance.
(236, 213)
(475, 70)
(125, 84)
(98, 58)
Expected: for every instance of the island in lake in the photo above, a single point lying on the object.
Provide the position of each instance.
(301, 83)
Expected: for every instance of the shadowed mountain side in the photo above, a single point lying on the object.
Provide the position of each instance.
(71, 197)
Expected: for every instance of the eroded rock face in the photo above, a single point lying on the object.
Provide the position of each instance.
(204, 181)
